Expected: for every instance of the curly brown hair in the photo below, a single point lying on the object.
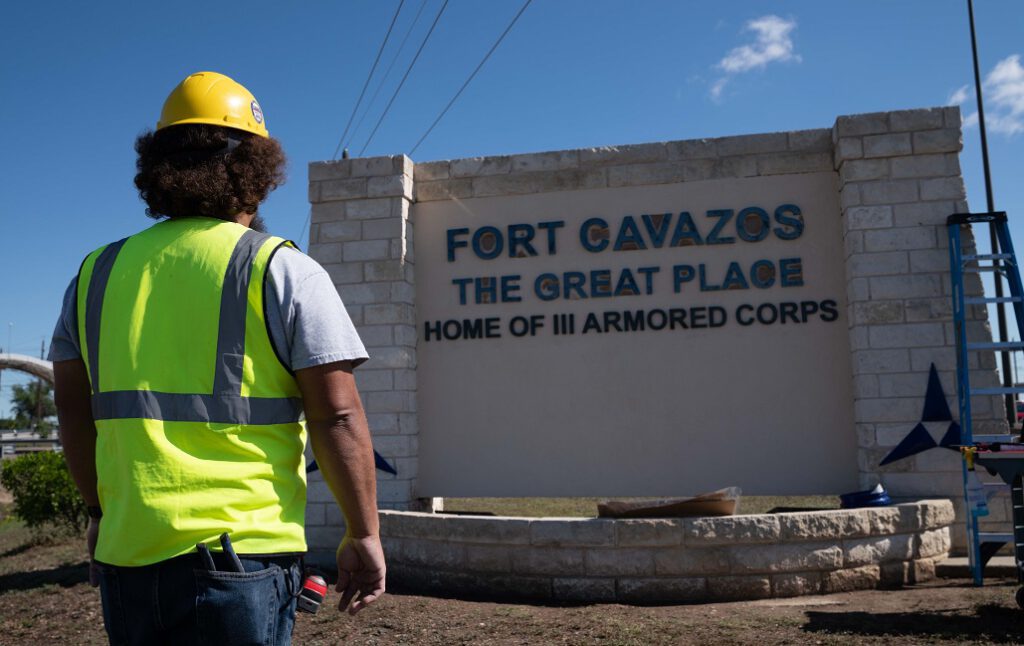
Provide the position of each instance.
(191, 169)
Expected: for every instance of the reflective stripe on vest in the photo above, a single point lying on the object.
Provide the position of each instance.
(226, 404)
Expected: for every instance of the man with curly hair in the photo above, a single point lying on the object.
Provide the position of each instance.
(184, 360)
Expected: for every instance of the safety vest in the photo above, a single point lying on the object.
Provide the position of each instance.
(198, 421)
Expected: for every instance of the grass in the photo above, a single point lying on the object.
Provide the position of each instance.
(587, 507)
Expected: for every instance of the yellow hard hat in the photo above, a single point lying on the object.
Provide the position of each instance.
(209, 97)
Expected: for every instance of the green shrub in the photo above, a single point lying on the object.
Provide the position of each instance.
(44, 492)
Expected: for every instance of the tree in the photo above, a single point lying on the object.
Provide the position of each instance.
(32, 405)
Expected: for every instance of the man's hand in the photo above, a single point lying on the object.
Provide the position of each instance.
(91, 535)
(361, 572)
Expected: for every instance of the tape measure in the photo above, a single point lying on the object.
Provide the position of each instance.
(314, 591)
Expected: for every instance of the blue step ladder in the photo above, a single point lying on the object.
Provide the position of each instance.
(981, 545)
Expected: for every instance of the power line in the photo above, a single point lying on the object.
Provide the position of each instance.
(468, 80)
(368, 77)
(407, 72)
(387, 73)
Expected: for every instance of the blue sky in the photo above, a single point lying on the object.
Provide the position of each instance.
(79, 81)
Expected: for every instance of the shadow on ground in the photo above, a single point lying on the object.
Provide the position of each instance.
(996, 624)
(66, 576)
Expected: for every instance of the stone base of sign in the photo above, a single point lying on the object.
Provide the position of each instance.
(665, 560)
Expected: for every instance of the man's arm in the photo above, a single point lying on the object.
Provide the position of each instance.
(72, 394)
(341, 444)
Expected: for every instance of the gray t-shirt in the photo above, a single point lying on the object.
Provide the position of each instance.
(307, 321)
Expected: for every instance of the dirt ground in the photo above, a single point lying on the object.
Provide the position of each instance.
(45, 598)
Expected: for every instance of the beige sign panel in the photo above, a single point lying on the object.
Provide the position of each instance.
(642, 341)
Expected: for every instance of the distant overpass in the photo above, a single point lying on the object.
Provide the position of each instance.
(23, 363)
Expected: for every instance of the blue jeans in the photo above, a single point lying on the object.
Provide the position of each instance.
(178, 601)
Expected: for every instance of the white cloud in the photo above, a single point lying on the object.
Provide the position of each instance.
(1004, 97)
(773, 43)
(960, 95)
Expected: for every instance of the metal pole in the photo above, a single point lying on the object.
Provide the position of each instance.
(1011, 412)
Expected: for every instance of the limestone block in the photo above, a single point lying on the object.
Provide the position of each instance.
(526, 183)
(929, 309)
(619, 562)
(944, 188)
(362, 293)
(862, 124)
(383, 228)
(372, 166)
(818, 140)
(797, 584)
(952, 116)
(324, 538)
(403, 292)
(394, 313)
(730, 529)
(924, 119)
(919, 286)
(325, 253)
(396, 401)
(692, 149)
(848, 580)
(574, 531)
(923, 213)
(643, 174)
(382, 423)
(396, 445)
(488, 558)
(384, 270)
(903, 385)
(394, 491)
(444, 190)
(553, 561)
(923, 484)
(791, 163)
(430, 171)
(878, 361)
(317, 491)
(405, 379)
(338, 231)
(327, 212)
(341, 189)
(369, 380)
(587, 589)
(323, 170)
(737, 166)
(936, 514)
(889, 145)
(593, 178)
(631, 154)
(848, 148)
(876, 312)
(860, 170)
(390, 186)
(949, 140)
(314, 192)
(696, 169)
(661, 589)
(922, 570)
(736, 588)
(793, 557)
(315, 514)
(849, 195)
(865, 551)
(888, 191)
(408, 423)
(547, 161)
(865, 386)
(853, 242)
(479, 166)
(370, 209)
(646, 532)
(934, 542)
(907, 335)
(887, 409)
(692, 560)
(482, 529)
(821, 524)
(883, 263)
(858, 289)
(943, 358)
(752, 144)
(432, 554)
(925, 166)
(418, 526)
